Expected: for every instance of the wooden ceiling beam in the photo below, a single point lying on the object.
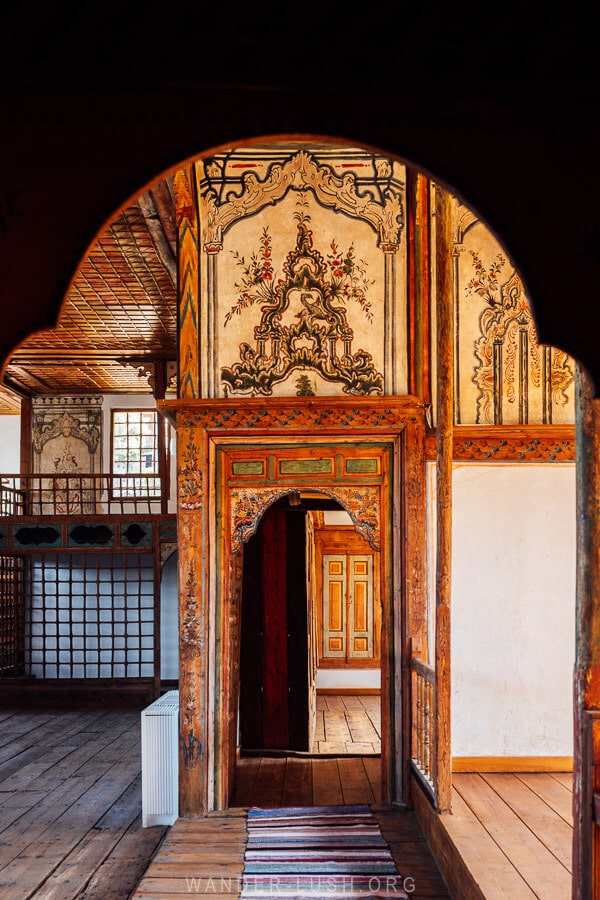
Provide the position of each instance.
(154, 206)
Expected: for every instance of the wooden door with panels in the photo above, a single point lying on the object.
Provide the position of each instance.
(349, 611)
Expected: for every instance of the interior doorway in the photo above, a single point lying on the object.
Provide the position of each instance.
(310, 633)
(239, 461)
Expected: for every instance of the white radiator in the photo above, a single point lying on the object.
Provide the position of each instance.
(160, 761)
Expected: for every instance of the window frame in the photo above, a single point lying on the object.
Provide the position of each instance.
(118, 481)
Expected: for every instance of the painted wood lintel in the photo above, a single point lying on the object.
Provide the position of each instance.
(374, 414)
(515, 443)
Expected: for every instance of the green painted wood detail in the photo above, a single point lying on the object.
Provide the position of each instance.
(306, 466)
(249, 467)
(362, 466)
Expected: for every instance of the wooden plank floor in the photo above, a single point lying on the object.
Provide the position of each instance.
(306, 781)
(70, 804)
(206, 856)
(70, 818)
(514, 832)
(348, 723)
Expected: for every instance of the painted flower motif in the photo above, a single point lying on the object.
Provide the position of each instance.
(485, 281)
(347, 281)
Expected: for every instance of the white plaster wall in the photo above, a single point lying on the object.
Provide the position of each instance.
(10, 445)
(513, 609)
(348, 678)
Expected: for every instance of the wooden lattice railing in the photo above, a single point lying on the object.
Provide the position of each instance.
(423, 753)
(82, 494)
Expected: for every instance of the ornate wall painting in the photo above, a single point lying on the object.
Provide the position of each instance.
(67, 439)
(304, 282)
(504, 376)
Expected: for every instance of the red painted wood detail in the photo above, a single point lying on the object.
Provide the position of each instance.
(274, 659)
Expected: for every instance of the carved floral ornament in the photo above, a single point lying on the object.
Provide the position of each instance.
(248, 505)
(190, 481)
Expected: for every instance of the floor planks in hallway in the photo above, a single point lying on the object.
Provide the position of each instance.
(70, 817)
(306, 781)
(348, 723)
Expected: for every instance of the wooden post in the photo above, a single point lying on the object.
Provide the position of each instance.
(444, 425)
(188, 266)
(193, 621)
(586, 762)
(160, 386)
(418, 219)
(25, 464)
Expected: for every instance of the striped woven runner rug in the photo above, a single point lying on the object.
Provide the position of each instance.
(327, 852)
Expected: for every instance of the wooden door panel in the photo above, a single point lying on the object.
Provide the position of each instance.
(361, 623)
(274, 656)
(334, 606)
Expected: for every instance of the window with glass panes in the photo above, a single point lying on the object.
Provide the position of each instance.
(135, 453)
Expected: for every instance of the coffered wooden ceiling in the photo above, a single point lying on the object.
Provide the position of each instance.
(118, 319)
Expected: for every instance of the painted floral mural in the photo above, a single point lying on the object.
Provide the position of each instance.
(303, 322)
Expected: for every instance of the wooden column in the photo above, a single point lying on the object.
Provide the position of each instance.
(419, 265)
(188, 229)
(444, 425)
(26, 445)
(586, 762)
(193, 619)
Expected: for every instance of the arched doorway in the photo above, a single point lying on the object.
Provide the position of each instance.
(310, 597)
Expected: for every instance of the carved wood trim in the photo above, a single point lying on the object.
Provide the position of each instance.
(480, 443)
(211, 430)
(317, 415)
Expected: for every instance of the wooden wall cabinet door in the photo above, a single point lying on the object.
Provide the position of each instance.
(349, 614)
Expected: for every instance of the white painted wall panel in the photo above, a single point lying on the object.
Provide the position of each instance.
(513, 609)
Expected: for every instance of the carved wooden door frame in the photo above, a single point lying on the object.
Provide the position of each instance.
(234, 460)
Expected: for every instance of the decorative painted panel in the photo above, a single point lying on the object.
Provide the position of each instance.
(302, 280)
(503, 375)
(66, 434)
(67, 438)
(295, 268)
(189, 287)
